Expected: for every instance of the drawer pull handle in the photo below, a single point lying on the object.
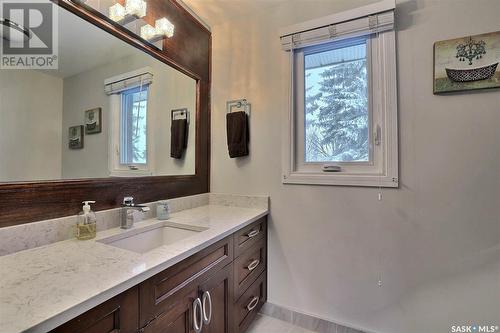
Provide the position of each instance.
(197, 326)
(207, 318)
(253, 233)
(253, 265)
(253, 303)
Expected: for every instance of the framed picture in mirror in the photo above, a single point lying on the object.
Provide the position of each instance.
(93, 121)
(76, 137)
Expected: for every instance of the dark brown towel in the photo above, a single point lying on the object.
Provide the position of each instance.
(237, 134)
(178, 140)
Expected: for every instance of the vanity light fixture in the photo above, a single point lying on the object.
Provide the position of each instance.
(148, 32)
(134, 9)
(163, 28)
(117, 12)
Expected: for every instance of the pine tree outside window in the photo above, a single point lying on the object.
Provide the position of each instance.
(133, 133)
(336, 103)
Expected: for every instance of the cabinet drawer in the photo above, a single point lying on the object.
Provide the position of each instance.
(248, 236)
(248, 266)
(164, 291)
(250, 303)
(119, 314)
(178, 319)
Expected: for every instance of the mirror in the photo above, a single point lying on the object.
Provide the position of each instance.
(109, 110)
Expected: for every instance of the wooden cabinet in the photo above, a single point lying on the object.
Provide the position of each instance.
(249, 273)
(178, 319)
(118, 315)
(248, 266)
(217, 298)
(249, 235)
(165, 290)
(249, 304)
(168, 298)
(220, 289)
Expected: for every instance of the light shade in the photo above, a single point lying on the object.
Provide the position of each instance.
(148, 32)
(117, 12)
(135, 8)
(164, 27)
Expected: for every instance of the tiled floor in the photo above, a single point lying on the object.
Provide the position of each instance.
(265, 324)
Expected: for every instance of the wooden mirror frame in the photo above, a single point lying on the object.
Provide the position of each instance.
(188, 51)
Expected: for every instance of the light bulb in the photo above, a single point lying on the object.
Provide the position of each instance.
(136, 8)
(164, 27)
(148, 32)
(117, 12)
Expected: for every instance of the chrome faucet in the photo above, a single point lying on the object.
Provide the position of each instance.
(127, 213)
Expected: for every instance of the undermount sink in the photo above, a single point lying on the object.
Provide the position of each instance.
(146, 239)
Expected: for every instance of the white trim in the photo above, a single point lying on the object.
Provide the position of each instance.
(347, 15)
(375, 151)
(385, 100)
(130, 173)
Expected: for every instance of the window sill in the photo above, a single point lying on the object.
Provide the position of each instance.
(130, 173)
(339, 179)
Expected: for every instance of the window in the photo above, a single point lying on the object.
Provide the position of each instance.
(336, 112)
(129, 128)
(133, 123)
(341, 128)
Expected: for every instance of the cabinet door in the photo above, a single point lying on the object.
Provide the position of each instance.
(119, 314)
(160, 293)
(179, 319)
(216, 294)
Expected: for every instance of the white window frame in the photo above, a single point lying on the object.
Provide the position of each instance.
(382, 170)
(116, 168)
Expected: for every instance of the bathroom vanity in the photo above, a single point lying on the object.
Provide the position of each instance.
(218, 289)
(207, 273)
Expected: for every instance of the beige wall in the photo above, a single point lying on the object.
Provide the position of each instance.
(30, 126)
(170, 90)
(435, 241)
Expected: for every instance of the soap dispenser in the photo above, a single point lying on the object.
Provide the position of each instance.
(86, 224)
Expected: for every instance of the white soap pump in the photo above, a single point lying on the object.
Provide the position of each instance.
(86, 224)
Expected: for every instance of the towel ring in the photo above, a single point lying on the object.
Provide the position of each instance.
(180, 114)
(239, 104)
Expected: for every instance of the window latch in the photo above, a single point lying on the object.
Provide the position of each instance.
(377, 136)
(331, 168)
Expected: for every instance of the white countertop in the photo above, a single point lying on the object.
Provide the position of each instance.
(43, 287)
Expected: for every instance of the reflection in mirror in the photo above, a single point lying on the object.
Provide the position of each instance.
(106, 111)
